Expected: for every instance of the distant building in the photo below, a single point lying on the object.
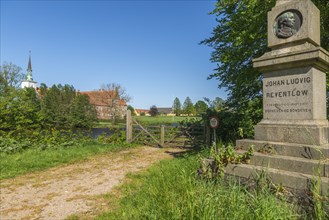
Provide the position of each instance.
(28, 82)
(141, 112)
(166, 111)
(105, 105)
(162, 111)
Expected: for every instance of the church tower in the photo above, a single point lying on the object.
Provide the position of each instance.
(28, 82)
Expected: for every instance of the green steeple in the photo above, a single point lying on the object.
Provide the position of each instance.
(29, 70)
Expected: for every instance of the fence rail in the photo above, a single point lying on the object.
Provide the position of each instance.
(162, 135)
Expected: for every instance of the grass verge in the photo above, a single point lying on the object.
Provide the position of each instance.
(35, 159)
(171, 190)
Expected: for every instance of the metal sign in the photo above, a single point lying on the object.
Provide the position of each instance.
(214, 122)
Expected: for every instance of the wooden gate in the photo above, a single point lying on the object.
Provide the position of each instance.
(164, 136)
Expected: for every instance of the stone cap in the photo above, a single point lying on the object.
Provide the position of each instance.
(306, 23)
(299, 56)
(280, 2)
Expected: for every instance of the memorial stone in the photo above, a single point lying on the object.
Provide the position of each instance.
(294, 80)
(294, 127)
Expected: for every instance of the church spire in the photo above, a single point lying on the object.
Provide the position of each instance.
(29, 66)
(28, 82)
(29, 69)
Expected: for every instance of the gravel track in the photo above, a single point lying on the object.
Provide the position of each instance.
(75, 188)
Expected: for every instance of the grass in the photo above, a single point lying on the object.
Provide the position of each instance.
(147, 120)
(162, 119)
(171, 190)
(36, 159)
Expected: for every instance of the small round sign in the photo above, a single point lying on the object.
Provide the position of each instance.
(214, 122)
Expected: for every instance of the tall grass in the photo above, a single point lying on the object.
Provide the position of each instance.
(171, 190)
(35, 159)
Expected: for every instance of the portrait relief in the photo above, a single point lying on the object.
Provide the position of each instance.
(287, 24)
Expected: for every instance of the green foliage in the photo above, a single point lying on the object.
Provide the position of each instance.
(57, 107)
(236, 123)
(19, 140)
(177, 106)
(320, 202)
(188, 107)
(19, 109)
(200, 107)
(117, 137)
(82, 113)
(170, 190)
(239, 36)
(163, 120)
(153, 111)
(216, 105)
(10, 77)
(220, 157)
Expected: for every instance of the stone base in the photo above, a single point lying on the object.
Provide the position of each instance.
(311, 152)
(307, 133)
(295, 166)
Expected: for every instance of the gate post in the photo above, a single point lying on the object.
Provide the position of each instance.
(129, 127)
(162, 134)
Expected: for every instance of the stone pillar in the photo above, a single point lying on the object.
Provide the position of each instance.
(293, 134)
(294, 80)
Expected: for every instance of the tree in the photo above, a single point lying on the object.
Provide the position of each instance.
(116, 98)
(177, 106)
(188, 107)
(19, 110)
(153, 111)
(200, 107)
(217, 104)
(10, 76)
(82, 113)
(55, 106)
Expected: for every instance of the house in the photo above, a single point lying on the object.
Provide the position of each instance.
(106, 104)
(166, 111)
(140, 112)
(162, 111)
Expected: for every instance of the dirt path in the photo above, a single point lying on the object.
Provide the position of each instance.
(72, 189)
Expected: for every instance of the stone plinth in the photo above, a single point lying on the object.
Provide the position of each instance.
(294, 127)
(294, 80)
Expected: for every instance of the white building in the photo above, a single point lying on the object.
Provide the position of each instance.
(28, 82)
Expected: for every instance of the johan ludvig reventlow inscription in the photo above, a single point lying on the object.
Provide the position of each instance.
(288, 97)
(287, 23)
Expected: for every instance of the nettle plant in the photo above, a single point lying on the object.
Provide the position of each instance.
(220, 157)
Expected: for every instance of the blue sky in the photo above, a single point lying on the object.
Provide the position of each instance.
(151, 48)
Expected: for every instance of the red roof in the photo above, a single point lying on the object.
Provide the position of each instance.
(142, 110)
(102, 98)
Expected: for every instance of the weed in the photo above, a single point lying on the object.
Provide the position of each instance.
(219, 158)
